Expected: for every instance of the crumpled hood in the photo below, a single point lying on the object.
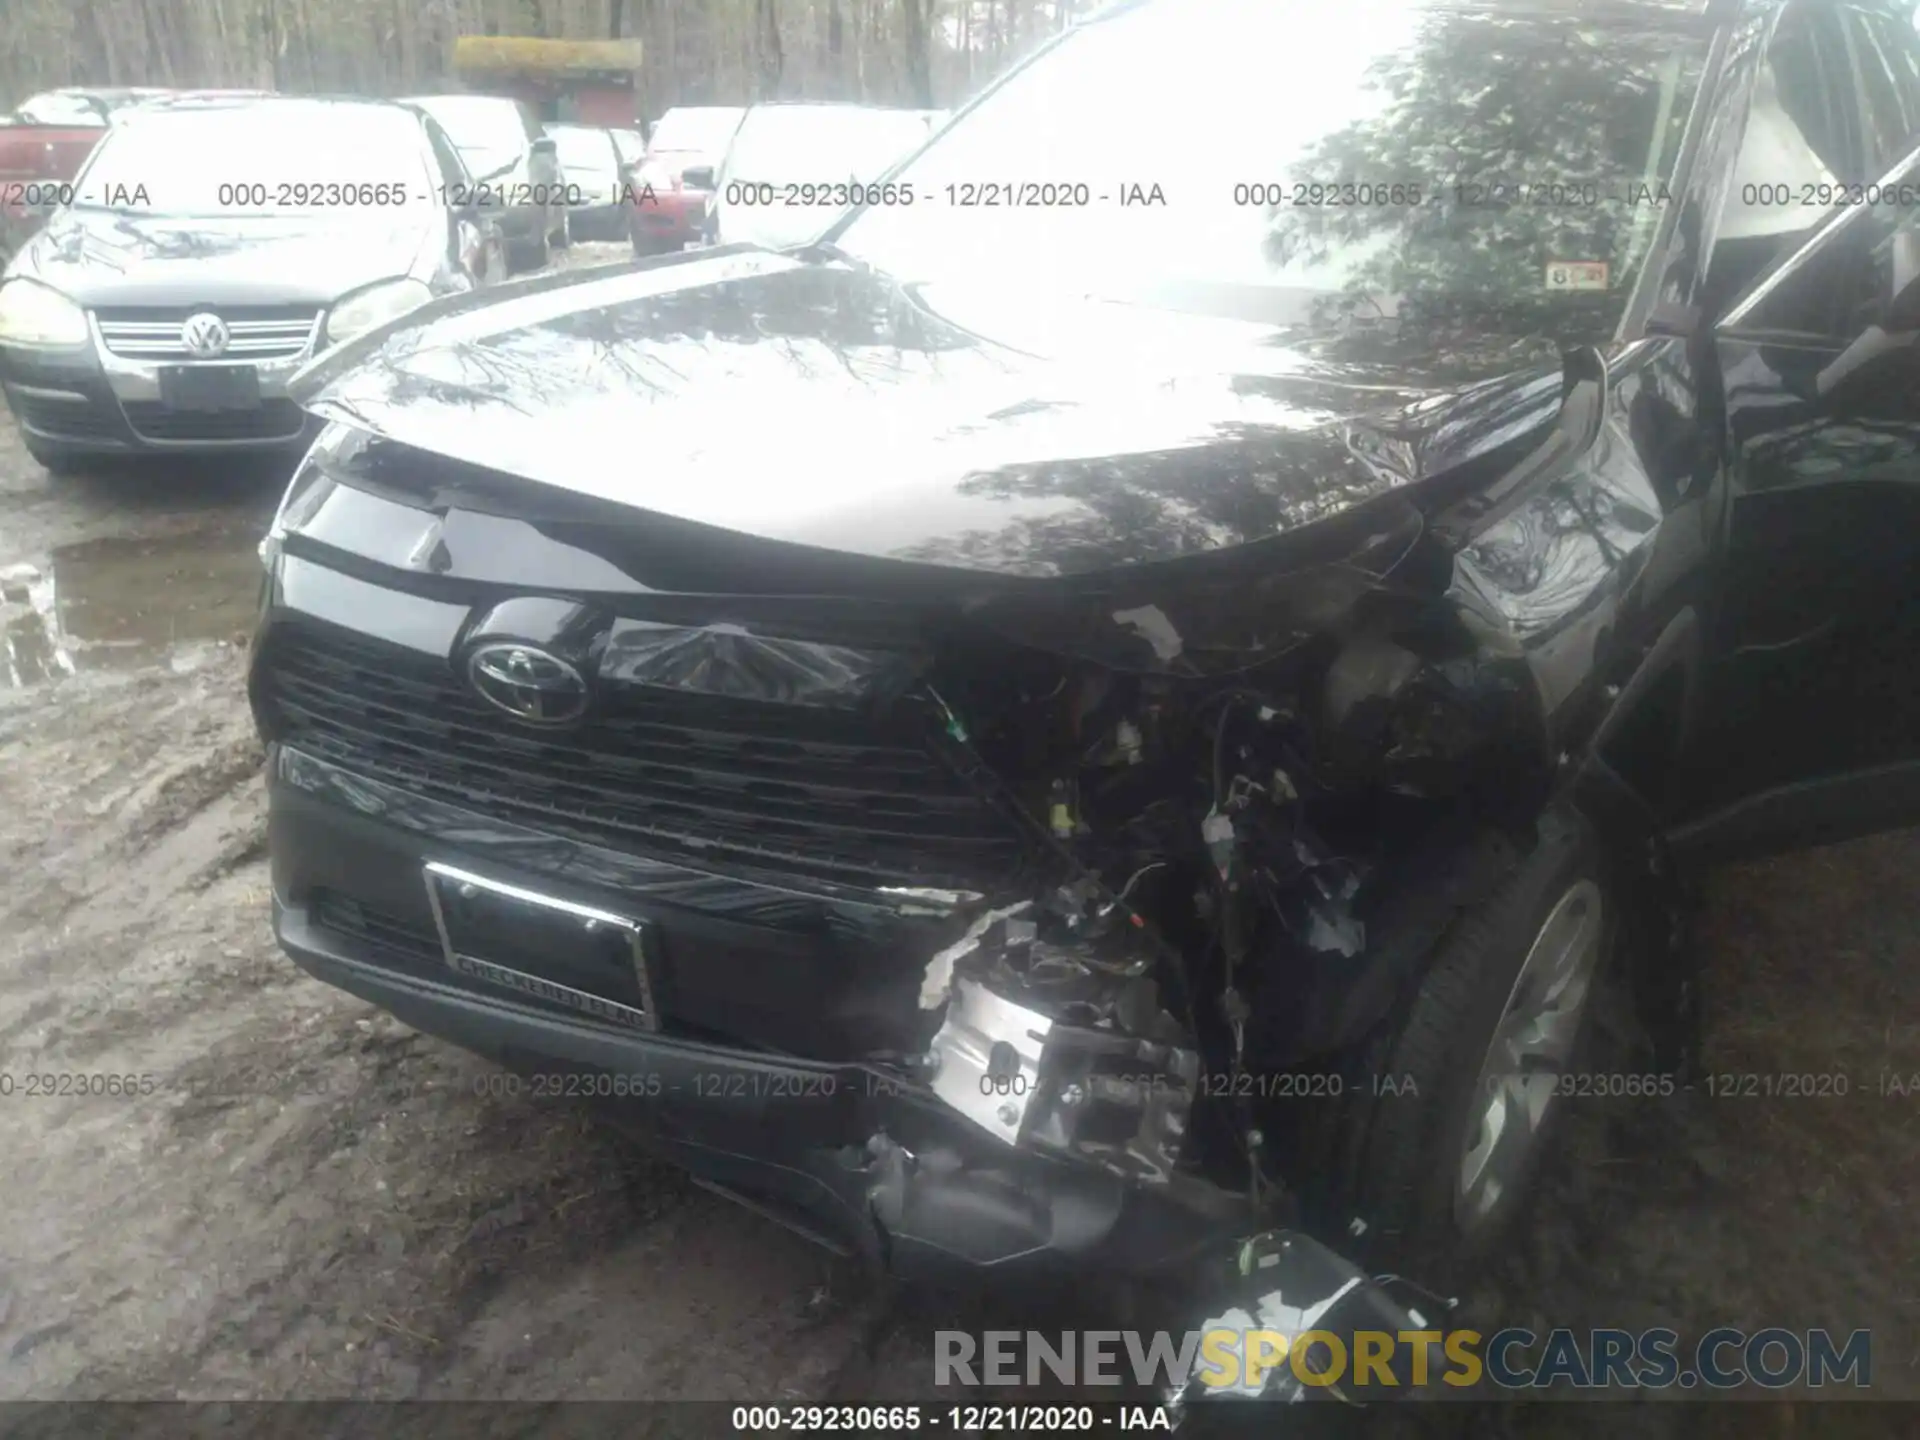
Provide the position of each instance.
(821, 405)
(102, 258)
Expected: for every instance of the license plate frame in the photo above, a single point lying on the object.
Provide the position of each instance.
(210, 387)
(626, 932)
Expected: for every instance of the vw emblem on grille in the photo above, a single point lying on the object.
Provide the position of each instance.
(528, 683)
(205, 335)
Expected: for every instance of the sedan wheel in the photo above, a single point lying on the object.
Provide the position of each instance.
(1458, 1105)
(1530, 1051)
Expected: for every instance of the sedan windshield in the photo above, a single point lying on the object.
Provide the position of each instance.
(342, 162)
(1306, 163)
(584, 150)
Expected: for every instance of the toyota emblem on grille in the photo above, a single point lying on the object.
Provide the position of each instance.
(205, 335)
(528, 683)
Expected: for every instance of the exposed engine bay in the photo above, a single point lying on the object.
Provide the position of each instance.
(1222, 859)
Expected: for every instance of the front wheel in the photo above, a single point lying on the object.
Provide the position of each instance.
(1468, 1085)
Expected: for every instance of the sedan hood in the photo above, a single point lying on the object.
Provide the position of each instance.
(817, 403)
(103, 258)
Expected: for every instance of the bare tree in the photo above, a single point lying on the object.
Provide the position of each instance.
(772, 58)
(919, 52)
(919, 59)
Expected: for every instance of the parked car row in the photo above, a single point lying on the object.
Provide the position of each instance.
(713, 174)
(176, 273)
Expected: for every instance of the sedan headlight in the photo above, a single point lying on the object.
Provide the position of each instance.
(375, 305)
(36, 314)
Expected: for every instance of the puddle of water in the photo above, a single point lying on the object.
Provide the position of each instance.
(122, 604)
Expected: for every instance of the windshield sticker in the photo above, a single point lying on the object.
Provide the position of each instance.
(1576, 275)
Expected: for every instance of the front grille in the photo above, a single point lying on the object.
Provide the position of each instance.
(839, 797)
(278, 419)
(258, 332)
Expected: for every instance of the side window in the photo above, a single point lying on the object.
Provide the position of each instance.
(1802, 138)
(1814, 87)
(1886, 57)
(1841, 282)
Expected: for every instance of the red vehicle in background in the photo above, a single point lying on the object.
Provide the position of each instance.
(43, 144)
(672, 184)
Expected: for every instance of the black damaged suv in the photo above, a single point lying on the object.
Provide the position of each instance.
(1064, 732)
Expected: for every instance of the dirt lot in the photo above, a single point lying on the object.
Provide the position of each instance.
(304, 1199)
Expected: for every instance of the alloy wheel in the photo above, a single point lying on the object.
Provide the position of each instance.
(1520, 1075)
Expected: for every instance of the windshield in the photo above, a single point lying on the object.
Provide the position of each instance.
(1498, 168)
(583, 149)
(703, 129)
(822, 142)
(483, 128)
(343, 162)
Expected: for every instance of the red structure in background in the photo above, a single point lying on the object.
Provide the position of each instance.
(589, 82)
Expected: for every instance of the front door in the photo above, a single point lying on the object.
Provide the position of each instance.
(1810, 726)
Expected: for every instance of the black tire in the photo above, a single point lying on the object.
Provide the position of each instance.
(1404, 1150)
(54, 458)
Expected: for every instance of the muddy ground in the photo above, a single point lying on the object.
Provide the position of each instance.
(303, 1199)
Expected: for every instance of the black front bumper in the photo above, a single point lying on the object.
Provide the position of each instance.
(862, 1158)
(65, 399)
